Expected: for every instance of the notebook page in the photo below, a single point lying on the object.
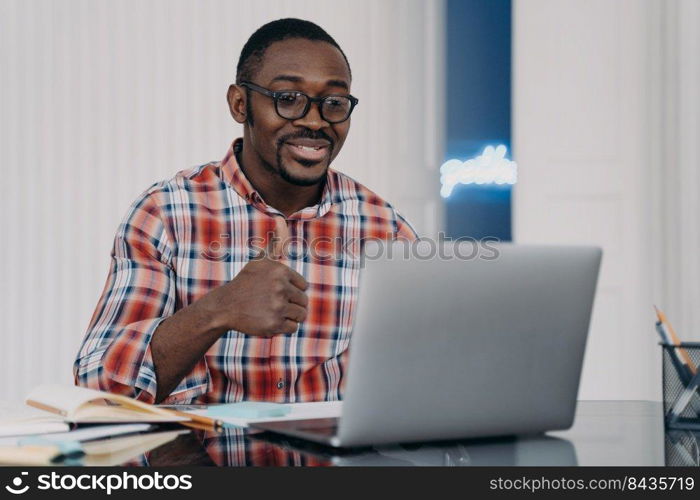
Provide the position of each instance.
(63, 399)
(17, 419)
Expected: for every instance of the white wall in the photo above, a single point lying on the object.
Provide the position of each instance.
(99, 99)
(606, 110)
(675, 126)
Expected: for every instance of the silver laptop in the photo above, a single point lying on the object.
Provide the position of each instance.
(479, 341)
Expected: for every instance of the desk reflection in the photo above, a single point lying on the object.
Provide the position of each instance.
(241, 448)
(231, 448)
(682, 448)
(521, 451)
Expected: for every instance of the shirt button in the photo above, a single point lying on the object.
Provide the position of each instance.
(280, 385)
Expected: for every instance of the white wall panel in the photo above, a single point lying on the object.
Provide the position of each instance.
(676, 128)
(99, 99)
(607, 137)
(582, 96)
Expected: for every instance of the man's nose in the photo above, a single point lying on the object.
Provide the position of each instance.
(313, 119)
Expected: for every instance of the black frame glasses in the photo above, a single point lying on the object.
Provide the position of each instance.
(323, 103)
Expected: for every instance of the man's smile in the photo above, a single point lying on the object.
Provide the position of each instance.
(309, 150)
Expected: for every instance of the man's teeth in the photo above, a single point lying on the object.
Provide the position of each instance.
(308, 148)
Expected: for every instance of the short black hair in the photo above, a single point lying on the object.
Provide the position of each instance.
(276, 31)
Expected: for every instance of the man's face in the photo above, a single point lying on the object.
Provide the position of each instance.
(300, 150)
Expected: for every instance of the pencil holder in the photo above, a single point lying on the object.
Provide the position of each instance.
(681, 385)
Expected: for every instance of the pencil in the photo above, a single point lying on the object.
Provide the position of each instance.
(198, 421)
(684, 354)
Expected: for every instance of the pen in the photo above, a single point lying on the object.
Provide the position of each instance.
(682, 352)
(682, 369)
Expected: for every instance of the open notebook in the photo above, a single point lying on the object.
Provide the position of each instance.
(81, 405)
(16, 420)
(103, 452)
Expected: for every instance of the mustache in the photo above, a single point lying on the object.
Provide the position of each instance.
(306, 134)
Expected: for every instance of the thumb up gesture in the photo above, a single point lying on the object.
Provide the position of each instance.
(266, 297)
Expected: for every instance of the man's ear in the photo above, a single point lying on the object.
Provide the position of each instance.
(236, 98)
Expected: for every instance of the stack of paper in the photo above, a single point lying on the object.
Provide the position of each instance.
(245, 413)
(95, 445)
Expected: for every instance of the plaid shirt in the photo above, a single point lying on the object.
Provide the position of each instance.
(185, 236)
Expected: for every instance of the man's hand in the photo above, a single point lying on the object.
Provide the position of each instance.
(265, 298)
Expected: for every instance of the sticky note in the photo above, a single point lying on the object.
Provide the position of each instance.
(248, 409)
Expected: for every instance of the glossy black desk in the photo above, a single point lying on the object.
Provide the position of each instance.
(623, 433)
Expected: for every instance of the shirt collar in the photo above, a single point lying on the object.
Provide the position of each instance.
(232, 174)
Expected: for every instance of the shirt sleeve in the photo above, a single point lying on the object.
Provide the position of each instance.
(404, 229)
(139, 294)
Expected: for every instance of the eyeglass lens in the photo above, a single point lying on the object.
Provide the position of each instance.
(292, 105)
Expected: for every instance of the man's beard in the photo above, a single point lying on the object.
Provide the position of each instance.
(285, 173)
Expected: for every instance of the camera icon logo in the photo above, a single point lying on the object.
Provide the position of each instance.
(17, 483)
